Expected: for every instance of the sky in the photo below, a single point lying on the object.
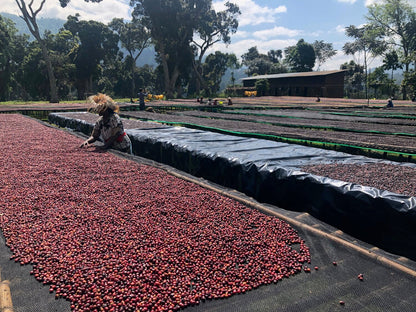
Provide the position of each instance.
(266, 24)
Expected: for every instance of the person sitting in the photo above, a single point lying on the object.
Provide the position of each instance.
(108, 126)
(230, 102)
(389, 103)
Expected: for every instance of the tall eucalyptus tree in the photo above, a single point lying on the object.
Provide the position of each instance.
(367, 40)
(29, 15)
(135, 38)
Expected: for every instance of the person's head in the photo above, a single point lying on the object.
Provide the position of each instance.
(102, 104)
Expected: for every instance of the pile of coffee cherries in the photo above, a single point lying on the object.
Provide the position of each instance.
(109, 234)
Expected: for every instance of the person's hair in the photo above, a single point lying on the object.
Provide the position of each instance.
(101, 102)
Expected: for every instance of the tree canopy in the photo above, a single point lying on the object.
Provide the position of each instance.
(262, 64)
(301, 57)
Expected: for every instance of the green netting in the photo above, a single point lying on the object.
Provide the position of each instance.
(372, 115)
(324, 128)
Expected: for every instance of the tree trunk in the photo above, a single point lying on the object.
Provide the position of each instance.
(133, 84)
(170, 81)
(52, 80)
(30, 20)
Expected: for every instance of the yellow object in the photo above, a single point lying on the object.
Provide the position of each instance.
(5, 297)
(158, 97)
(250, 93)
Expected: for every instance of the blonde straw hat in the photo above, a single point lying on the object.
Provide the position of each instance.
(101, 102)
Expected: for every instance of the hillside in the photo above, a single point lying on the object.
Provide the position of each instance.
(51, 24)
(55, 24)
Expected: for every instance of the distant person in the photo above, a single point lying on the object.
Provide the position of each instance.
(318, 99)
(230, 102)
(142, 95)
(108, 126)
(390, 102)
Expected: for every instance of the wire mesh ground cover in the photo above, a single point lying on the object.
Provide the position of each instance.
(104, 232)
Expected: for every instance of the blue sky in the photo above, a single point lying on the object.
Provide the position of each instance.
(266, 24)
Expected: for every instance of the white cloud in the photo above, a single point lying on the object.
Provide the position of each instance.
(276, 31)
(9, 6)
(241, 34)
(370, 2)
(252, 13)
(340, 29)
(104, 11)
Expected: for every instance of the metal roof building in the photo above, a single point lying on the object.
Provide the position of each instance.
(316, 83)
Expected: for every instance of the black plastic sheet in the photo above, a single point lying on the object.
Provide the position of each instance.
(270, 172)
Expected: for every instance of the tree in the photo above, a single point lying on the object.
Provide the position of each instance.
(172, 24)
(379, 81)
(394, 17)
(249, 59)
(62, 47)
(262, 64)
(367, 41)
(391, 62)
(7, 31)
(19, 49)
(354, 78)
(323, 51)
(214, 68)
(135, 38)
(409, 83)
(29, 16)
(214, 27)
(262, 87)
(97, 47)
(301, 57)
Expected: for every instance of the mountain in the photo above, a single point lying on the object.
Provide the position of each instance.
(51, 24)
(55, 24)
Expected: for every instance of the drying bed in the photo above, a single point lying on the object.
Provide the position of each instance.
(313, 131)
(271, 172)
(384, 176)
(105, 233)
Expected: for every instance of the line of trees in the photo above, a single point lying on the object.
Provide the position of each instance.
(85, 57)
(88, 56)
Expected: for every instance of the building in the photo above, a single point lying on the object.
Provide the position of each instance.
(314, 84)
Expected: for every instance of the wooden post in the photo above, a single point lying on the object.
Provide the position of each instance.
(5, 296)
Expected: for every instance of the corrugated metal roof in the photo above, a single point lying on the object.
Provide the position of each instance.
(289, 75)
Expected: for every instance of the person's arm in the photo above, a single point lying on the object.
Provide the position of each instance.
(94, 135)
(88, 141)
